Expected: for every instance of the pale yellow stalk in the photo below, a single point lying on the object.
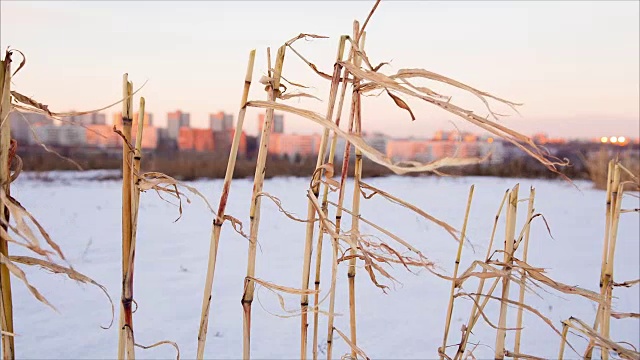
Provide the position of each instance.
(357, 176)
(563, 341)
(306, 266)
(6, 303)
(254, 211)
(219, 219)
(525, 253)
(341, 194)
(332, 154)
(508, 255)
(126, 323)
(463, 233)
(475, 314)
(605, 248)
(616, 195)
(135, 206)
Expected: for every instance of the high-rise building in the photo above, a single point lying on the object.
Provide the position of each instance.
(196, 139)
(175, 121)
(278, 123)
(277, 126)
(21, 124)
(148, 118)
(71, 135)
(87, 119)
(377, 140)
(221, 121)
(65, 135)
(293, 145)
(102, 136)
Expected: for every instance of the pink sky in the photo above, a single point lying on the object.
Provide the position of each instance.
(574, 65)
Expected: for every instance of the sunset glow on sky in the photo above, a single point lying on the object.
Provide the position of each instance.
(574, 65)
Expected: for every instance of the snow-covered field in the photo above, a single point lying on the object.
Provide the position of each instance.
(84, 218)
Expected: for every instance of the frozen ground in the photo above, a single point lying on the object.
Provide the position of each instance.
(84, 218)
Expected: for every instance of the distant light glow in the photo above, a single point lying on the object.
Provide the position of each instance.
(613, 139)
(604, 139)
(622, 139)
(490, 140)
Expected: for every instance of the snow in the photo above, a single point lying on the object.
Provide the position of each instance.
(83, 216)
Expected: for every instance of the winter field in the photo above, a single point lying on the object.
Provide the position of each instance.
(83, 216)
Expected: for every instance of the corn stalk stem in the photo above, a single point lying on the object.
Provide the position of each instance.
(563, 341)
(306, 267)
(442, 350)
(341, 194)
(357, 176)
(126, 319)
(321, 234)
(219, 219)
(135, 158)
(508, 258)
(616, 195)
(6, 303)
(334, 242)
(254, 211)
(605, 250)
(475, 314)
(525, 253)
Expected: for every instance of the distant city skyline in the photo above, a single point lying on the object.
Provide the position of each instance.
(228, 121)
(574, 65)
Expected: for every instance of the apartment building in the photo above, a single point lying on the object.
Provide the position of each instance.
(190, 139)
(175, 122)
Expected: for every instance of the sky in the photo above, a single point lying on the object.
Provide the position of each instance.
(574, 65)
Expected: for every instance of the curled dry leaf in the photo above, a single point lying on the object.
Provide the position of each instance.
(290, 313)
(603, 342)
(353, 239)
(22, 63)
(29, 101)
(328, 171)
(422, 262)
(162, 343)
(28, 245)
(351, 345)
(394, 199)
(288, 290)
(366, 149)
(538, 275)
(37, 107)
(164, 183)
(71, 273)
(237, 225)
(275, 288)
(306, 37)
(39, 141)
(480, 310)
(278, 203)
(618, 315)
(20, 215)
(313, 66)
(482, 95)
(377, 80)
(629, 283)
(290, 83)
(523, 306)
(297, 95)
(15, 270)
(401, 104)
